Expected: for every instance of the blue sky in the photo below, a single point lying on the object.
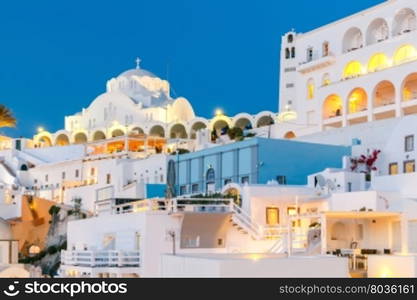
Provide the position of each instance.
(56, 56)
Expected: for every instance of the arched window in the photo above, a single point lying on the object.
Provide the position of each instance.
(99, 135)
(326, 80)
(23, 167)
(287, 53)
(404, 22)
(410, 88)
(290, 38)
(210, 181)
(352, 40)
(117, 132)
(352, 69)
(405, 54)
(358, 101)
(293, 52)
(326, 50)
(289, 135)
(378, 62)
(384, 94)
(332, 107)
(80, 138)
(377, 32)
(310, 89)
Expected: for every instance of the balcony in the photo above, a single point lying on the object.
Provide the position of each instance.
(316, 63)
(101, 259)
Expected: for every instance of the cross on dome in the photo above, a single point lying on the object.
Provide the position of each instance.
(138, 60)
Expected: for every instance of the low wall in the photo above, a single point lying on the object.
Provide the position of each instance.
(253, 265)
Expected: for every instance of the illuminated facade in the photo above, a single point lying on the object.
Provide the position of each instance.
(356, 70)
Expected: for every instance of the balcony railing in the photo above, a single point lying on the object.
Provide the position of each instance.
(103, 258)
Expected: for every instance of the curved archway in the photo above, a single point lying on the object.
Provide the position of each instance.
(404, 22)
(357, 101)
(45, 141)
(62, 140)
(117, 133)
(24, 167)
(80, 138)
(352, 69)
(378, 62)
(99, 135)
(137, 131)
(157, 131)
(377, 31)
(332, 107)
(220, 126)
(243, 123)
(197, 126)
(178, 131)
(409, 87)
(266, 120)
(290, 135)
(352, 40)
(405, 54)
(384, 94)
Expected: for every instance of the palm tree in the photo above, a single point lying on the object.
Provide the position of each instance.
(6, 117)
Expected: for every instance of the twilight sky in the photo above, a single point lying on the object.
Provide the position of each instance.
(56, 56)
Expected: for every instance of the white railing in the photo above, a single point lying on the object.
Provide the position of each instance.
(201, 205)
(103, 258)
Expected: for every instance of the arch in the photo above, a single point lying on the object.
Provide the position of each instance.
(80, 138)
(178, 131)
(210, 175)
(219, 122)
(384, 94)
(357, 101)
(290, 135)
(243, 121)
(378, 62)
(326, 79)
(99, 135)
(45, 140)
(352, 69)
(352, 40)
(310, 89)
(404, 22)
(197, 126)
(220, 126)
(409, 87)
(117, 132)
(24, 167)
(62, 140)
(137, 130)
(233, 190)
(377, 31)
(405, 54)
(157, 131)
(332, 107)
(264, 118)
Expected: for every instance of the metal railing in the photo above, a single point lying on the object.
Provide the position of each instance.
(101, 258)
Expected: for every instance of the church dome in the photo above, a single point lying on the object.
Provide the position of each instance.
(136, 72)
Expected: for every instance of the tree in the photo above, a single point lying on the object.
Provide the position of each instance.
(6, 117)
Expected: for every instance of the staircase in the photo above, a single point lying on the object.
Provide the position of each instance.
(244, 224)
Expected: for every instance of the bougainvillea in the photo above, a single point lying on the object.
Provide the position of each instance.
(367, 161)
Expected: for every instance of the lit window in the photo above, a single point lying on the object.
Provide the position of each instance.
(272, 216)
(326, 80)
(358, 101)
(332, 107)
(404, 54)
(352, 69)
(409, 166)
(310, 89)
(409, 143)
(393, 169)
(378, 62)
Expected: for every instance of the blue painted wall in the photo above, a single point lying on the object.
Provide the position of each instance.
(257, 160)
(155, 190)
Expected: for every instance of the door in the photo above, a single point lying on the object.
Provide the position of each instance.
(272, 216)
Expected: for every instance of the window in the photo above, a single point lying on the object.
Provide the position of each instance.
(409, 166)
(409, 143)
(77, 173)
(195, 188)
(210, 181)
(92, 171)
(108, 178)
(63, 175)
(287, 53)
(281, 179)
(272, 216)
(293, 211)
(310, 89)
(393, 169)
(227, 181)
(293, 52)
(309, 54)
(161, 178)
(245, 179)
(46, 177)
(290, 38)
(325, 49)
(183, 190)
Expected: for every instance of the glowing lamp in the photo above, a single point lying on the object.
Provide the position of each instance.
(219, 112)
(40, 129)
